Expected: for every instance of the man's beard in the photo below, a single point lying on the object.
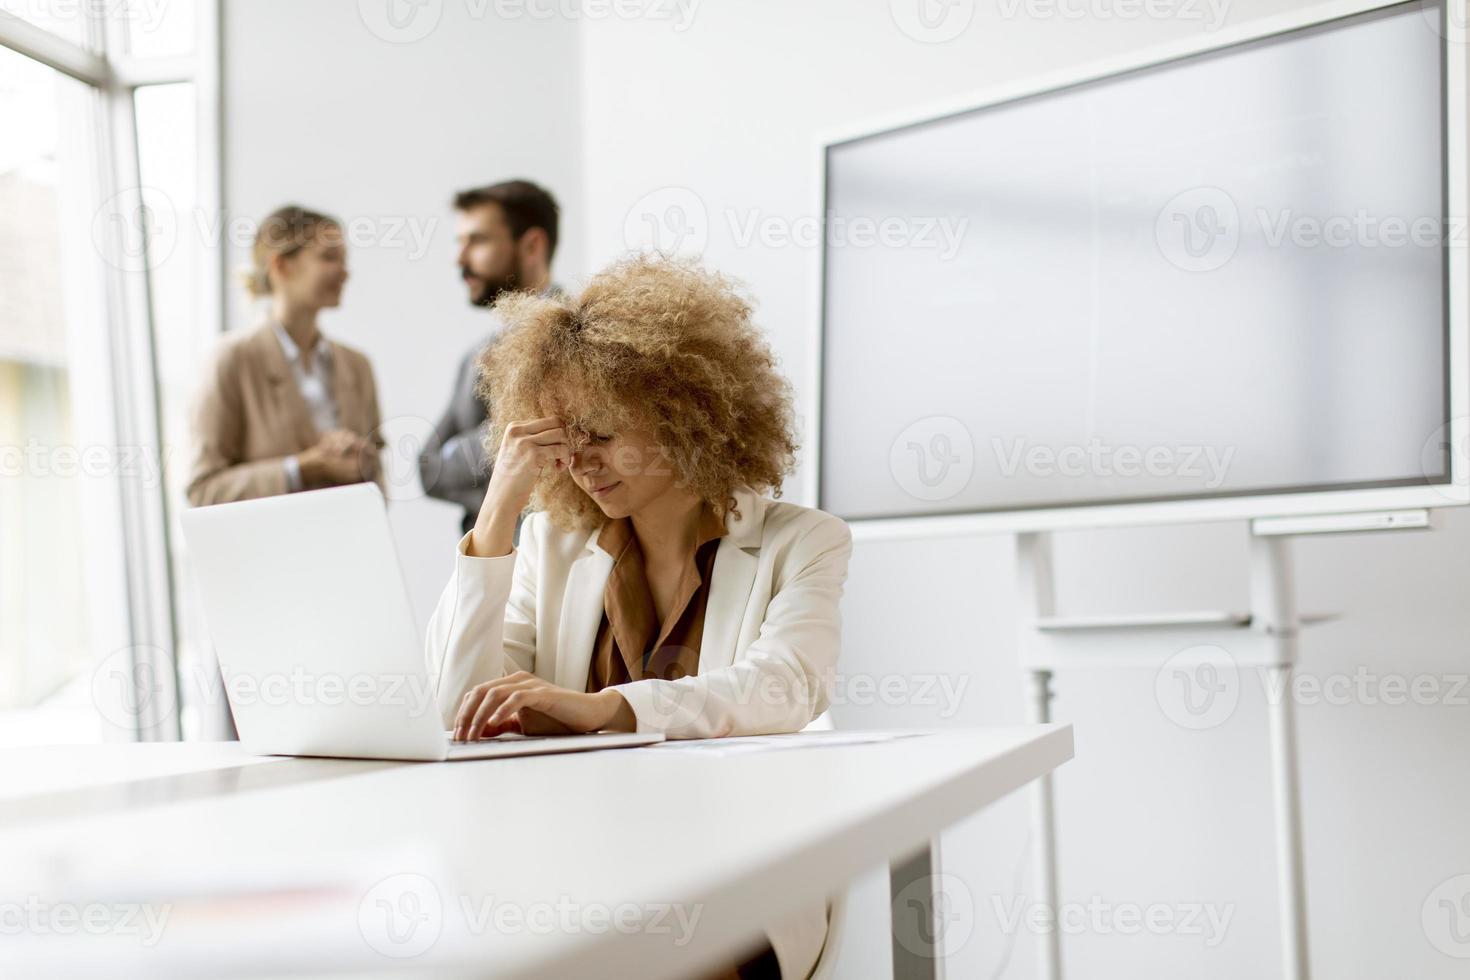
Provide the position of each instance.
(492, 289)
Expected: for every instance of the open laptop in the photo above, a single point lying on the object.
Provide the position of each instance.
(310, 617)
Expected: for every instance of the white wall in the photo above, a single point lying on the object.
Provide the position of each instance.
(609, 111)
(321, 110)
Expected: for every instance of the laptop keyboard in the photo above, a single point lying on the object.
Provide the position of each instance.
(507, 737)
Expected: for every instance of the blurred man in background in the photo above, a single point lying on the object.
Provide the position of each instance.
(507, 237)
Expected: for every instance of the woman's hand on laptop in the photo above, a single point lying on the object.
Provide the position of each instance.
(523, 702)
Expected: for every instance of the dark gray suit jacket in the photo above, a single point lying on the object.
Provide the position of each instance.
(454, 465)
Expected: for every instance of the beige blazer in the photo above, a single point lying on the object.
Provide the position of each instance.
(249, 415)
(767, 656)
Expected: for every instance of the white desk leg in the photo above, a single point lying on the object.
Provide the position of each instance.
(1044, 829)
(918, 934)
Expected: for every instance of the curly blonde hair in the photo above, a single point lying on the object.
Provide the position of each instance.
(654, 344)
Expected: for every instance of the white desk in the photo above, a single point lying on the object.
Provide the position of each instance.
(224, 865)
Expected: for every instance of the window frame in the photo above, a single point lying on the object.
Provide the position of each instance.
(115, 76)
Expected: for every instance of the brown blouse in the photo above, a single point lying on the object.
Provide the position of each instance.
(633, 645)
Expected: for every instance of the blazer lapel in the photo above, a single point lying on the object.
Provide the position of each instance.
(345, 391)
(285, 391)
(731, 580)
(581, 615)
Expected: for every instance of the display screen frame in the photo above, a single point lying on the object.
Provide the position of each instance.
(1451, 487)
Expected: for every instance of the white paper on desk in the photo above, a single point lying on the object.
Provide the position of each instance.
(744, 744)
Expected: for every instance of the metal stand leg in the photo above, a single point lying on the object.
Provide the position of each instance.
(1290, 869)
(1037, 601)
(1274, 614)
(1044, 830)
(918, 934)
(1273, 609)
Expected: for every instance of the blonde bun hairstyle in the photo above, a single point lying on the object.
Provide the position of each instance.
(284, 232)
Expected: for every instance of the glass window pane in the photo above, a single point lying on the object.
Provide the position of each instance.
(63, 604)
(159, 29)
(65, 18)
(179, 244)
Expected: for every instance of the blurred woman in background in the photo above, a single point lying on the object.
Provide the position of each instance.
(284, 408)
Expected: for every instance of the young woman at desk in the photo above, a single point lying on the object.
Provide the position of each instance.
(654, 588)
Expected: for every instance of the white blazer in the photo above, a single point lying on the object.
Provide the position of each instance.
(767, 655)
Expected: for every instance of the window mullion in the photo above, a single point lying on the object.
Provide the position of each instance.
(145, 524)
